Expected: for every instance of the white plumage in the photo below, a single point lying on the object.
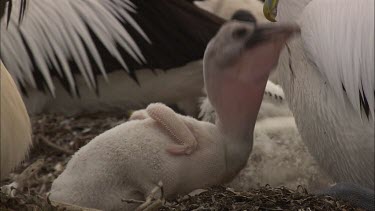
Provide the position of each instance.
(185, 154)
(57, 32)
(15, 125)
(279, 156)
(226, 9)
(347, 63)
(80, 52)
(328, 79)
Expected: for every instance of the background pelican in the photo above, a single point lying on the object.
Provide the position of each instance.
(73, 56)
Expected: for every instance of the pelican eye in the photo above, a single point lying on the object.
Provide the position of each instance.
(239, 33)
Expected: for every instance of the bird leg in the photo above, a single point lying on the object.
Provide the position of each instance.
(150, 203)
(175, 126)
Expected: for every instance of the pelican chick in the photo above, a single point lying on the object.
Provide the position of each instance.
(129, 160)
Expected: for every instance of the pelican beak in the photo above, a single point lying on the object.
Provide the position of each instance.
(270, 9)
(267, 32)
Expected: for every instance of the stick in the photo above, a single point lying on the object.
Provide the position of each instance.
(55, 146)
(71, 207)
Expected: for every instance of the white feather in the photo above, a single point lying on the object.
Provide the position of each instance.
(279, 157)
(226, 8)
(349, 45)
(15, 137)
(58, 30)
(336, 46)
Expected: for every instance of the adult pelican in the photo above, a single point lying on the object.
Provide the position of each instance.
(328, 78)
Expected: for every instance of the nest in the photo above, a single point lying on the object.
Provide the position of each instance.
(57, 137)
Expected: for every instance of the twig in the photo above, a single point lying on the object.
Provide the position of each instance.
(132, 201)
(66, 206)
(71, 207)
(55, 146)
(30, 171)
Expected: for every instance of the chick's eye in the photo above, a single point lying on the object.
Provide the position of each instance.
(239, 33)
